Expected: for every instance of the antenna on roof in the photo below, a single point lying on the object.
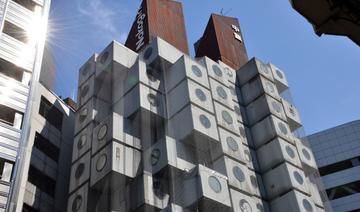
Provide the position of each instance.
(225, 13)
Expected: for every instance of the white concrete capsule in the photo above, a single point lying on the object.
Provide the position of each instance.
(256, 87)
(209, 187)
(160, 55)
(279, 78)
(276, 152)
(252, 69)
(241, 202)
(293, 201)
(284, 178)
(185, 67)
(113, 165)
(115, 55)
(188, 92)
(112, 129)
(166, 153)
(270, 128)
(141, 73)
(144, 99)
(226, 118)
(215, 71)
(94, 110)
(149, 194)
(231, 146)
(194, 126)
(78, 201)
(262, 107)
(314, 191)
(86, 91)
(292, 115)
(82, 142)
(87, 70)
(306, 155)
(221, 93)
(80, 172)
(237, 173)
(261, 205)
(229, 72)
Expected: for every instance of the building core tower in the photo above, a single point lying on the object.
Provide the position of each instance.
(158, 18)
(223, 40)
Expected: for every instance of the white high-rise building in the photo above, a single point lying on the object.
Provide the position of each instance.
(337, 153)
(161, 131)
(36, 126)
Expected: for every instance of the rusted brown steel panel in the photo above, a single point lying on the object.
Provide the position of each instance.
(223, 40)
(158, 18)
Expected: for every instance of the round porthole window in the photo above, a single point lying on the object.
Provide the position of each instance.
(86, 69)
(260, 207)
(77, 202)
(247, 155)
(276, 106)
(153, 100)
(153, 74)
(101, 162)
(242, 132)
(306, 154)
(279, 74)
(104, 57)
(232, 144)
(298, 177)
(283, 128)
(217, 70)
(200, 94)
(237, 110)
(227, 117)
(265, 68)
(102, 132)
(239, 174)
(229, 72)
(245, 206)
(307, 205)
(83, 114)
(155, 156)
(205, 121)
(221, 92)
(214, 184)
(79, 170)
(290, 151)
(253, 181)
(148, 53)
(82, 141)
(84, 90)
(270, 87)
(196, 70)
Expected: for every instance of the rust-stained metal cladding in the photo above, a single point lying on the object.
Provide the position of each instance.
(158, 18)
(219, 42)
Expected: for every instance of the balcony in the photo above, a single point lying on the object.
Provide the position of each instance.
(17, 52)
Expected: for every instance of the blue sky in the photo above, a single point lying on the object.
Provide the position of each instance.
(324, 73)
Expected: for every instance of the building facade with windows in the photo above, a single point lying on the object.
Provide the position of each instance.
(36, 126)
(158, 130)
(337, 152)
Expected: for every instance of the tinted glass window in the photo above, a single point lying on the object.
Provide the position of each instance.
(45, 146)
(53, 115)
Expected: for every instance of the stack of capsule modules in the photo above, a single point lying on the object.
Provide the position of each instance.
(273, 121)
(161, 131)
